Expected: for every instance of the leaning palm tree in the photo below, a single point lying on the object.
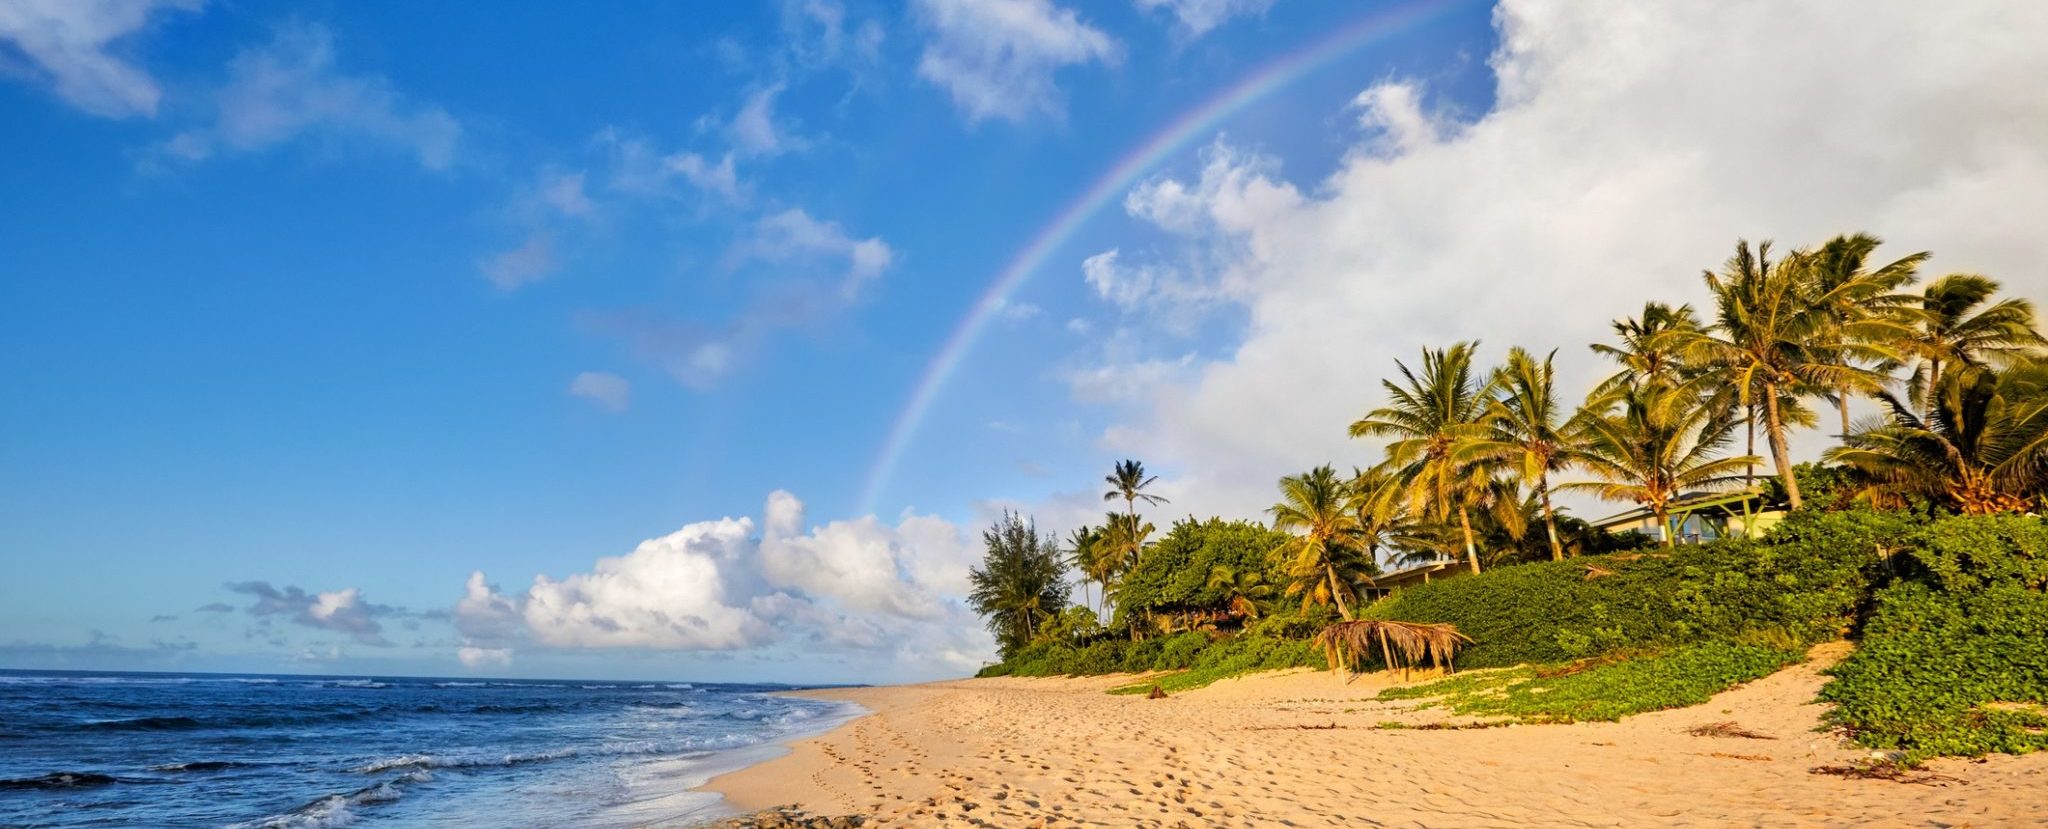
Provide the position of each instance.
(1770, 338)
(1434, 421)
(1128, 481)
(1324, 560)
(1957, 328)
(1859, 300)
(1982, 447)
(1651, 444)
(1532, 434)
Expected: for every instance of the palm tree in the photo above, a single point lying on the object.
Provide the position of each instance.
(1651, 444)
(1124, 538)
(1128, 481)
(1956, 328)
(1532, 434)
(1981, 448)
(1858, 301)
(1384, 520)
(1243, 588)
(1434, 420)
(1021, 583)
(1325, 559)
(1650, 351)
(1771, 339)
(1085, 554)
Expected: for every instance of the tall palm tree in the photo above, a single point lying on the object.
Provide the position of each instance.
(1434, 420)
(1857, 299)
(1324, 559)
(1021, 582)
(1770, 339)
(1651, 444)
(1957, 328)
(1128, 481)
(1981, 448)
(1124, 539)
(1532, 434)
(1649, 351)
(1085, 552)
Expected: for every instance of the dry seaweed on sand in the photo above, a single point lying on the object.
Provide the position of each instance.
(1727, 729)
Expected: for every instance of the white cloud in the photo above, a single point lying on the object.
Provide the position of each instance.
(1015, 311)
(608, 390)
(1193, 18)
(997, 58)
(563, 192)
(717, 178)
(532, 261)
(717, 585)
(1630, 146)
(70, 46)
(474, 657)
(754, 132)
(291, 88)
(793, 235)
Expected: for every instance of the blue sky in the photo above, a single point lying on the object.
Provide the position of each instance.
(310, 311)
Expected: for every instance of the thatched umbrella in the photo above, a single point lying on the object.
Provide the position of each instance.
(1346, 643)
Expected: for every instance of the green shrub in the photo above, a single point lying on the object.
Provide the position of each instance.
(1954, 659)
(1180, 650)
(1172, 577)
(1803, 581)
(1235, 656)
(1687, 675)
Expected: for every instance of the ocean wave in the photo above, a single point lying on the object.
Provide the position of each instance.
(201, 765)
(356, 683)
(184, 723)
(337, 810)
(61, 780)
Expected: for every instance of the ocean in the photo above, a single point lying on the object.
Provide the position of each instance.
(168, 751)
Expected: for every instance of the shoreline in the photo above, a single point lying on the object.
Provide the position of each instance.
(1304, 748)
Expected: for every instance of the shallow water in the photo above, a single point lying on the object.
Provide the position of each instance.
(279, 752)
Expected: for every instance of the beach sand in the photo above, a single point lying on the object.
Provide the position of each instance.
(1305, 749)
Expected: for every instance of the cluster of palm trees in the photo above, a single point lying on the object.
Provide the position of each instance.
(1103, 554)
(1474, 456)
(1961, 372)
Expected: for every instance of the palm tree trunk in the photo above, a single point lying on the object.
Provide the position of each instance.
(1335, 593)
(1842, 402)
(1774, 428)
(1927, 395)
(1471, 549)
(1664, 526)
(1749, 469)
(1549, 517)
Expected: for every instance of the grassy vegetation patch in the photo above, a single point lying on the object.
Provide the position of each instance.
(1610, 690)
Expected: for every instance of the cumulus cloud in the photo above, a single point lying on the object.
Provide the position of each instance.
(1193, 18)
(291, 89)
(732, 583)
(754, 131)
(1629, 147)
(997, 58)
(341, 611)
(608, 390)
(70, 45)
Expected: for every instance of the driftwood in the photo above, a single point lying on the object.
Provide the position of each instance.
(1349, 643)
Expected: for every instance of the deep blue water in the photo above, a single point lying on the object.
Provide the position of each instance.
(248, 751)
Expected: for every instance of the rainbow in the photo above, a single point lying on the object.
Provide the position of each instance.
(1174, 137)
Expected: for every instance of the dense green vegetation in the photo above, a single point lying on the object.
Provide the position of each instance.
(1687, 675)
(1954, 659)
(1915, 534)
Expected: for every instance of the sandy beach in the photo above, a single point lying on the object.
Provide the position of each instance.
(1305, 749)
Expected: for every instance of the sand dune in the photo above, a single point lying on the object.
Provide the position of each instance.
(1303, 749)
